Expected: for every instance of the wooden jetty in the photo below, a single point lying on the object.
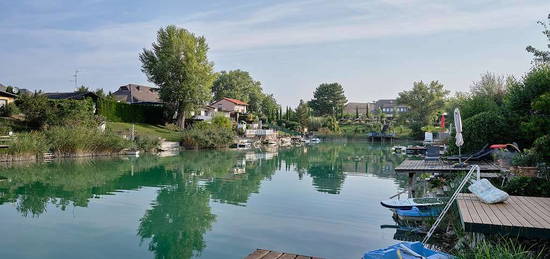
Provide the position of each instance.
(411, 166)
(267, 254)
(518, 216)
(441, 166)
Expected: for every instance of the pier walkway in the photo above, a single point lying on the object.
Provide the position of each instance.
(267, 254)
(518, 216)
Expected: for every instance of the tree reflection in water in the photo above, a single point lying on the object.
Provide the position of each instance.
(175, 225)
(178, 220)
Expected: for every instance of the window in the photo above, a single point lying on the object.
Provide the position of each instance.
(3, 103)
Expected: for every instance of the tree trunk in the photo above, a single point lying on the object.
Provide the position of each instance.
(180, 122)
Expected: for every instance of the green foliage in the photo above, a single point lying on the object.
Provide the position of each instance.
(83, 89)
(8, 110)
(238, 84)
(302, 114)
(425, 101)
(179, 65)
(528, 186)
(527, 105)
(481, 129)
(66, 141)
(133, 113)
(221, 121)
(502, 249)
(542, 56)
(147, 143)
(41, 112)
(206, 135)
(431, 128)
(541, 146)
(270, 108)
(315, 123)
(328, 99)
(28, 143)
(527, 158)
(290, 125)
(36, 108)
(332, 124)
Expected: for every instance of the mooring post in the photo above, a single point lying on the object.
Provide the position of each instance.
(412, 180)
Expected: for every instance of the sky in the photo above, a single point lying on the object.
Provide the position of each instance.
(373, 48)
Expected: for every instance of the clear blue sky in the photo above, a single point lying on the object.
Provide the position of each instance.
(374, 48)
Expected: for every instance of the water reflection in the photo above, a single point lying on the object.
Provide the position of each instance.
(176, 222)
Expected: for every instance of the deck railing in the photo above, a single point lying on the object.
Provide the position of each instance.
(473, 169)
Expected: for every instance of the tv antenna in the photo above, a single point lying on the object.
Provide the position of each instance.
(75, 79)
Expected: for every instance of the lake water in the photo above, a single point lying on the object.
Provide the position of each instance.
(320, 200)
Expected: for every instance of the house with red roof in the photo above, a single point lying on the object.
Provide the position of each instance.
(232, 106)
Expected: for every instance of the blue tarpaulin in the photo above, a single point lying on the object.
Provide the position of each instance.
(406, 250)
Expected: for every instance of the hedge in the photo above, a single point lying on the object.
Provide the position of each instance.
(134, 113)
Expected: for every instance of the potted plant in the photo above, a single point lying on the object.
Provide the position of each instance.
(526, 163)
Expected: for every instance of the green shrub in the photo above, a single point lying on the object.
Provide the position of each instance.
(221, 121)
(134, 113)
(40, 112)
(8, 110)
(147, 143)
(204, 135)
(527, 186)
(5, 130)
(315, 123)
(483, 128)
(542, 148)
(528, 158)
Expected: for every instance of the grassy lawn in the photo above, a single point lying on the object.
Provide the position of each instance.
(146, 130)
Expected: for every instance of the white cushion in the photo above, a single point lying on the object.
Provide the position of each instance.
(487, 193)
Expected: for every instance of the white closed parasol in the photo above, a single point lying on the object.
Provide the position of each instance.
(458, 126)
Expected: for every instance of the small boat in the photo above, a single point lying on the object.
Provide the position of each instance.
(315, 140)
(399, 149)
(407, 204)
(132, 153)
(417, 214)
(406, 250)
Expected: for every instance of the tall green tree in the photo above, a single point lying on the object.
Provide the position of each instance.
(302, 114)
(178, 64)
(328, 99)
(238, 84)
(270, 108)
(540, 55)
(425, 101)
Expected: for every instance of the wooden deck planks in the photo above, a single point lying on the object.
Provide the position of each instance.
(267, 254)
(530, 210)
(519, 215)
(410, 165)
(259, 253)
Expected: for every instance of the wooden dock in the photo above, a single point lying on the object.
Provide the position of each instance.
(267, 254)
(441, 166)
(518, 216)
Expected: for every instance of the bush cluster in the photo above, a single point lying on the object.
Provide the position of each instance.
(528, 186)
(133, 113)
(206, 135)
(8, 110)
(66, 141)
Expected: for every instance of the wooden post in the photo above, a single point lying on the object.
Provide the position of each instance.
(412, 180)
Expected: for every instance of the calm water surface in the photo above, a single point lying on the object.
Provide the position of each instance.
(320, 200)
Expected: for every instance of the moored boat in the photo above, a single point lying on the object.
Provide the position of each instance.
(407, 204)
(406, 250)
(417, 214)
